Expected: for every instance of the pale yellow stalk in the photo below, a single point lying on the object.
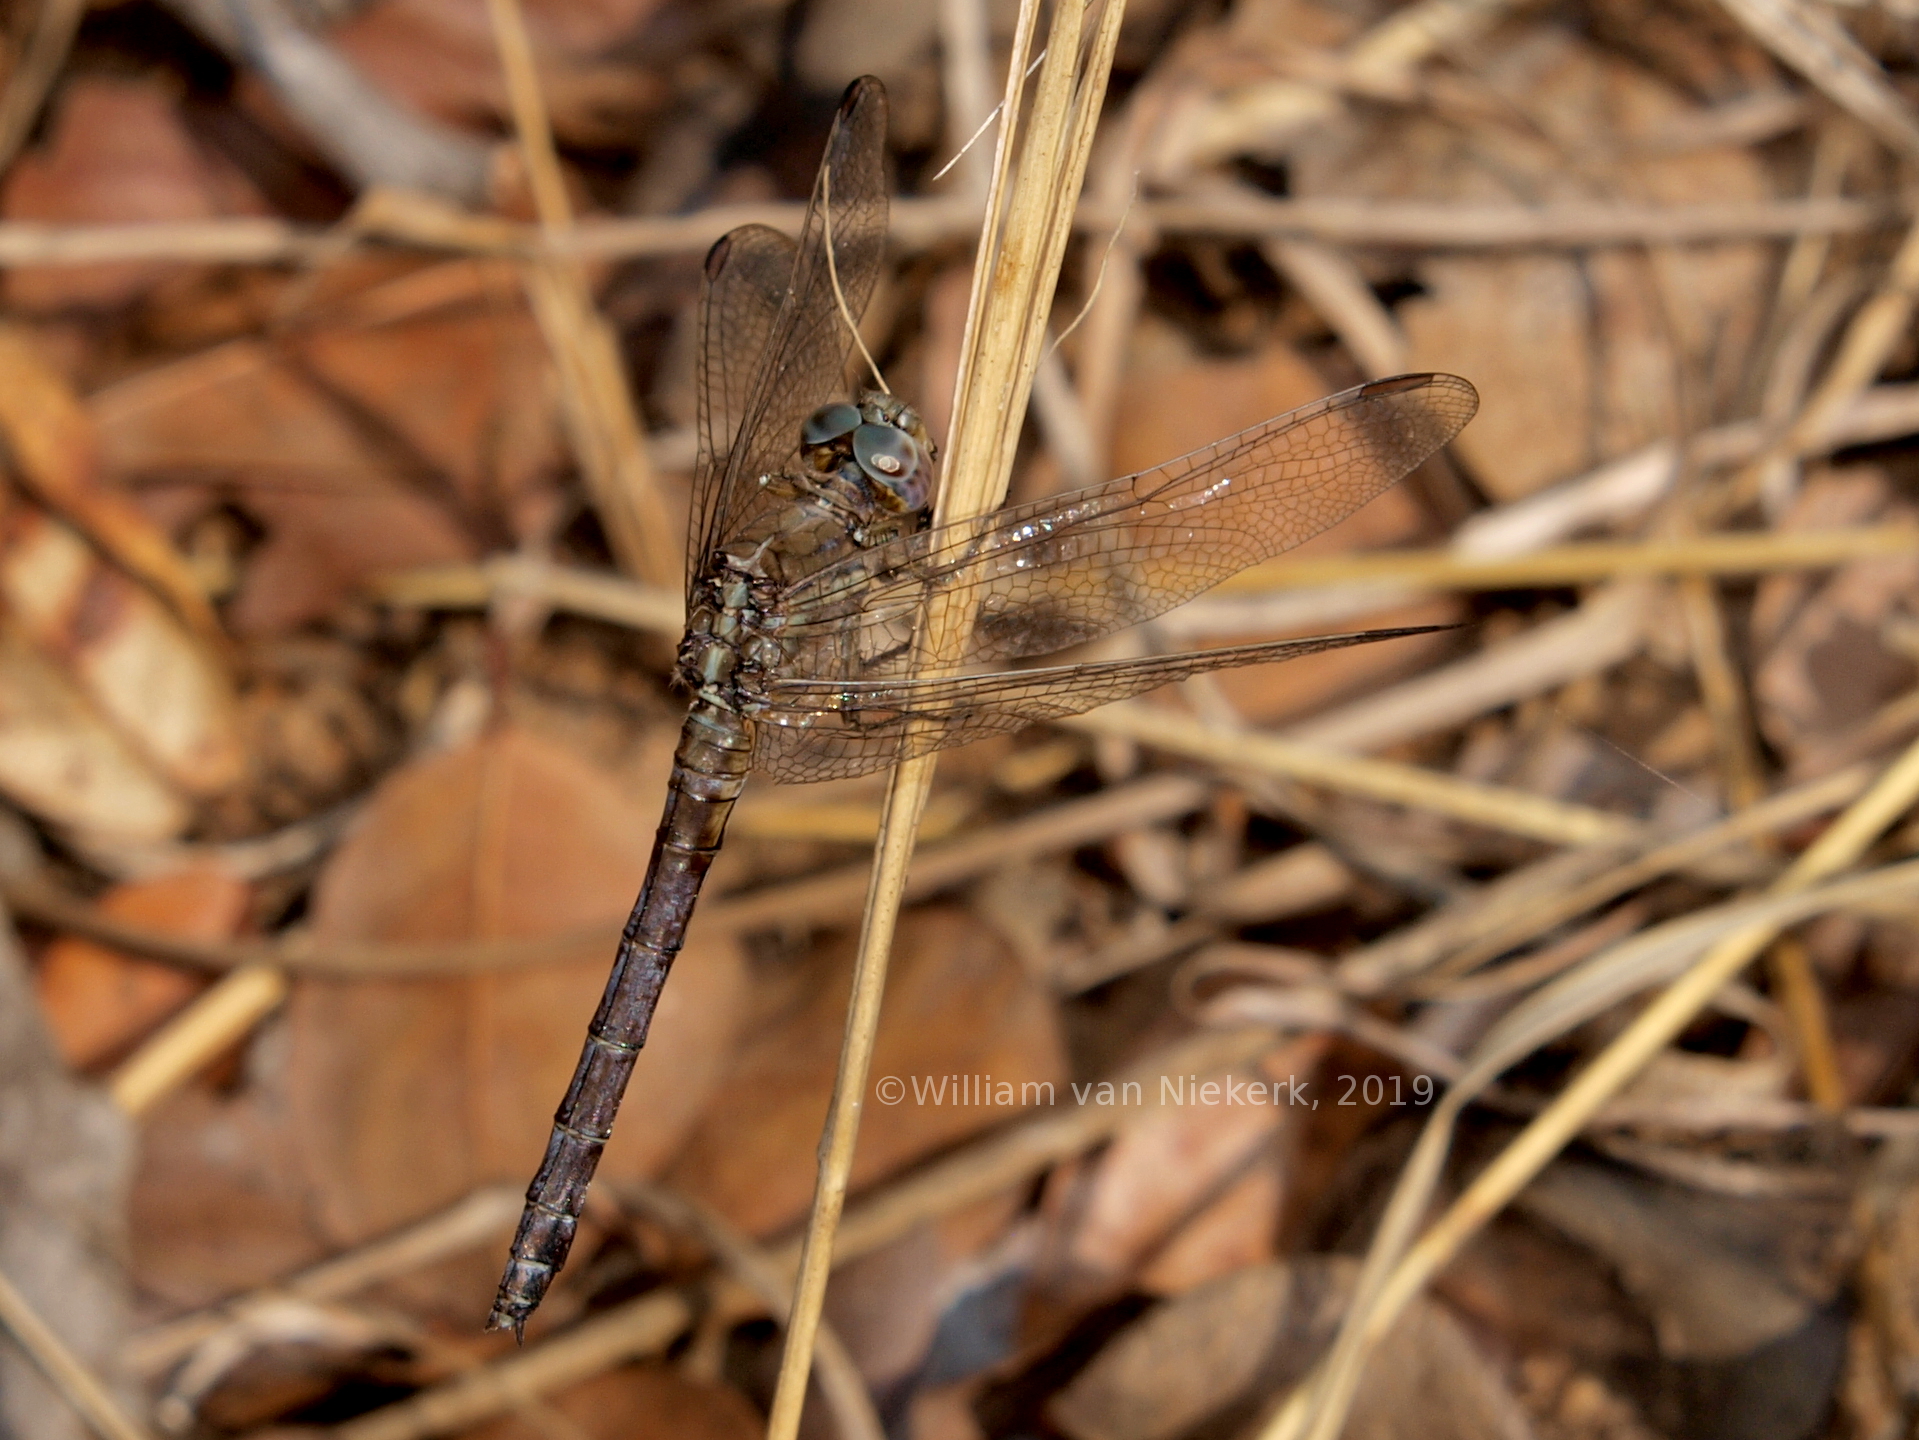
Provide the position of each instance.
(1029, 219)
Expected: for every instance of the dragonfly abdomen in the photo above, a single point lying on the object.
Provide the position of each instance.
(709, 771)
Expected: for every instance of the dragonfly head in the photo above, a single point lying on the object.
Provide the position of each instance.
(881, 441)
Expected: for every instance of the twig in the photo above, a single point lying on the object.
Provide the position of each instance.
(368, 135)
(924, 223)
(1334, 287)
(54, 453)
(77, 1385)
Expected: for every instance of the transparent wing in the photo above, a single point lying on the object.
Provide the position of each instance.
(747, 273)
(1055, 572)
(818, 730)
(773, 340)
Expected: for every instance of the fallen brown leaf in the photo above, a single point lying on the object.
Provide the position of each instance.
(1219, 1354)
(116, 151)
(406, 1094)
(960, 1010)
(98, 1001)
(336, 504)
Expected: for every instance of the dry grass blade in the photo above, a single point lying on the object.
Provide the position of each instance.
(1609, 627)
(1030, 210)
(1559, 904)
(640, 1327)
(1396, 1271)
(78, 1385)
(597, 398)
(1721, 690)
(659, 609)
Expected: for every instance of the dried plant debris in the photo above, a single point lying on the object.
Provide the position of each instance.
(1234, 1073)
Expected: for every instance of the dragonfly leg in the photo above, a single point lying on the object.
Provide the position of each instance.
(709, 772)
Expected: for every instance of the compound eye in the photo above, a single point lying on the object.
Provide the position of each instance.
(829, 423)
(894, 461)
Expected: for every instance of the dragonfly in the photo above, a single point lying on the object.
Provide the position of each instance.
(811, 562)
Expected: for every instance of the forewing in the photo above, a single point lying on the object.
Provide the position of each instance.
(1052, 573)
(801, 353)
(747, 274)
(818, 730)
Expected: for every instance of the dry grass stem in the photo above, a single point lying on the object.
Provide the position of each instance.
(1354, 584)
(627, 1332)
(831, 897)
(1336, 288)
(216, 1020)
(1797, 985)
(1030, 207)
(1513, 811)
(1863, 351)
(607, 436)
(1560, 903)
(1722, 691)
(76, 1384)
(1608, 628)
(1745, 553)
